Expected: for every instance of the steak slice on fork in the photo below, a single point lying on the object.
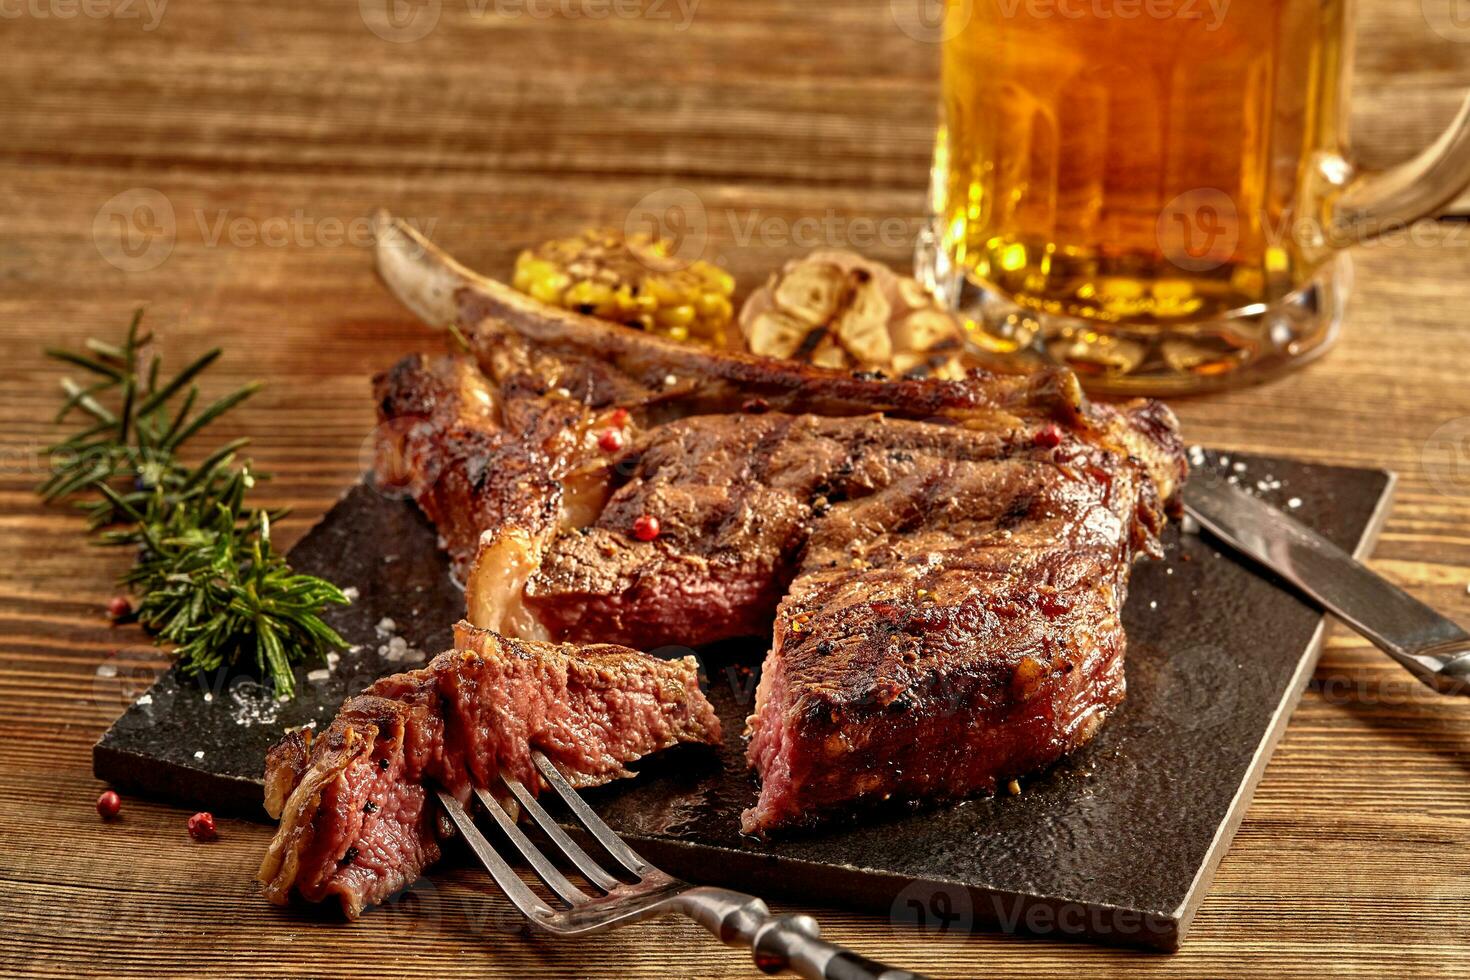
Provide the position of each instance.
(356, 808)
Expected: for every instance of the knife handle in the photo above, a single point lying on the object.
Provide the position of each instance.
(1433, 648)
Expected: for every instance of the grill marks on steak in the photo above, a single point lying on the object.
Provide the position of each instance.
(738, 498)
(976, 639)
(944, 562)
(498, 469)
(355, 804)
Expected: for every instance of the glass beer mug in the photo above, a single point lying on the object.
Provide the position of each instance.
(1158, 192)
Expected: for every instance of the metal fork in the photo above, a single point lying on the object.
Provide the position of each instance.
(776, 942)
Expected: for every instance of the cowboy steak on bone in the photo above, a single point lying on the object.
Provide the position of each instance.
(940, 565)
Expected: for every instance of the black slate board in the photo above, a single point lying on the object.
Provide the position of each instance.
(1116, 844)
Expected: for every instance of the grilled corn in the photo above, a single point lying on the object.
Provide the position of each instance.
(633, 280)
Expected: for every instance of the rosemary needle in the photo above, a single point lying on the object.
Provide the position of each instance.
(207, 576)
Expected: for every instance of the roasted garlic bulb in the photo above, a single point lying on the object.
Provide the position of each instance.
(837, 309)
(633, 280)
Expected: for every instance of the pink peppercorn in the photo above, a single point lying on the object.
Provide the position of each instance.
(646, 528)
(1049, 436)
(201, 827)
(610, 441)
(108, 805)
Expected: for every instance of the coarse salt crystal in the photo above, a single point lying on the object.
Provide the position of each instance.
(199, 754)
(1294, 503)
(107, 670)
(252, 704)
(397, 649)
(208, 698)
(386, 627)
(145, 700)
(320, 674)
(351, 593)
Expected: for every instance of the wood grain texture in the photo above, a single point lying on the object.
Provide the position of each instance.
(502, 129)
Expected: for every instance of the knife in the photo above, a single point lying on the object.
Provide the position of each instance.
(1433, 648)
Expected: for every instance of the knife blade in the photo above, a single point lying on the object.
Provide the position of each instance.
(1433, 648)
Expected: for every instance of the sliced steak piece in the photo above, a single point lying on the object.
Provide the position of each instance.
(737, 498)
(356, 803)
(975, 638)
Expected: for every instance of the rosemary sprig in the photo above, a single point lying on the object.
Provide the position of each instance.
(206, 574)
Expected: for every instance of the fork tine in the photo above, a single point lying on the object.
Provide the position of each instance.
(589, 868)
(549, 873)
(510, 882)
(614, 845)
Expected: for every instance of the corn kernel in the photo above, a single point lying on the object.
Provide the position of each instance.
(675, 316)
(590, 297)
(549, 288)
(712, 306)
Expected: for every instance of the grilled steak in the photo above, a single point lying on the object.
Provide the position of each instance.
(355, 804)
(944, 562)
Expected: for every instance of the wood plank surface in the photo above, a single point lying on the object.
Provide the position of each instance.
(270, 129)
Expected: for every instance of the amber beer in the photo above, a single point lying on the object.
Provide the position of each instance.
(1138, 160)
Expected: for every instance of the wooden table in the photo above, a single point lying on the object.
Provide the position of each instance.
(270, 128)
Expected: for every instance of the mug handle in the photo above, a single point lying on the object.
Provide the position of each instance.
(1371, 203)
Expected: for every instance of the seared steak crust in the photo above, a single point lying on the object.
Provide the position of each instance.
(944, 562)
(356, 803)
(975, 639)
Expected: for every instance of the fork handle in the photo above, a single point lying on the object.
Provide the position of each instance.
(780, 942)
